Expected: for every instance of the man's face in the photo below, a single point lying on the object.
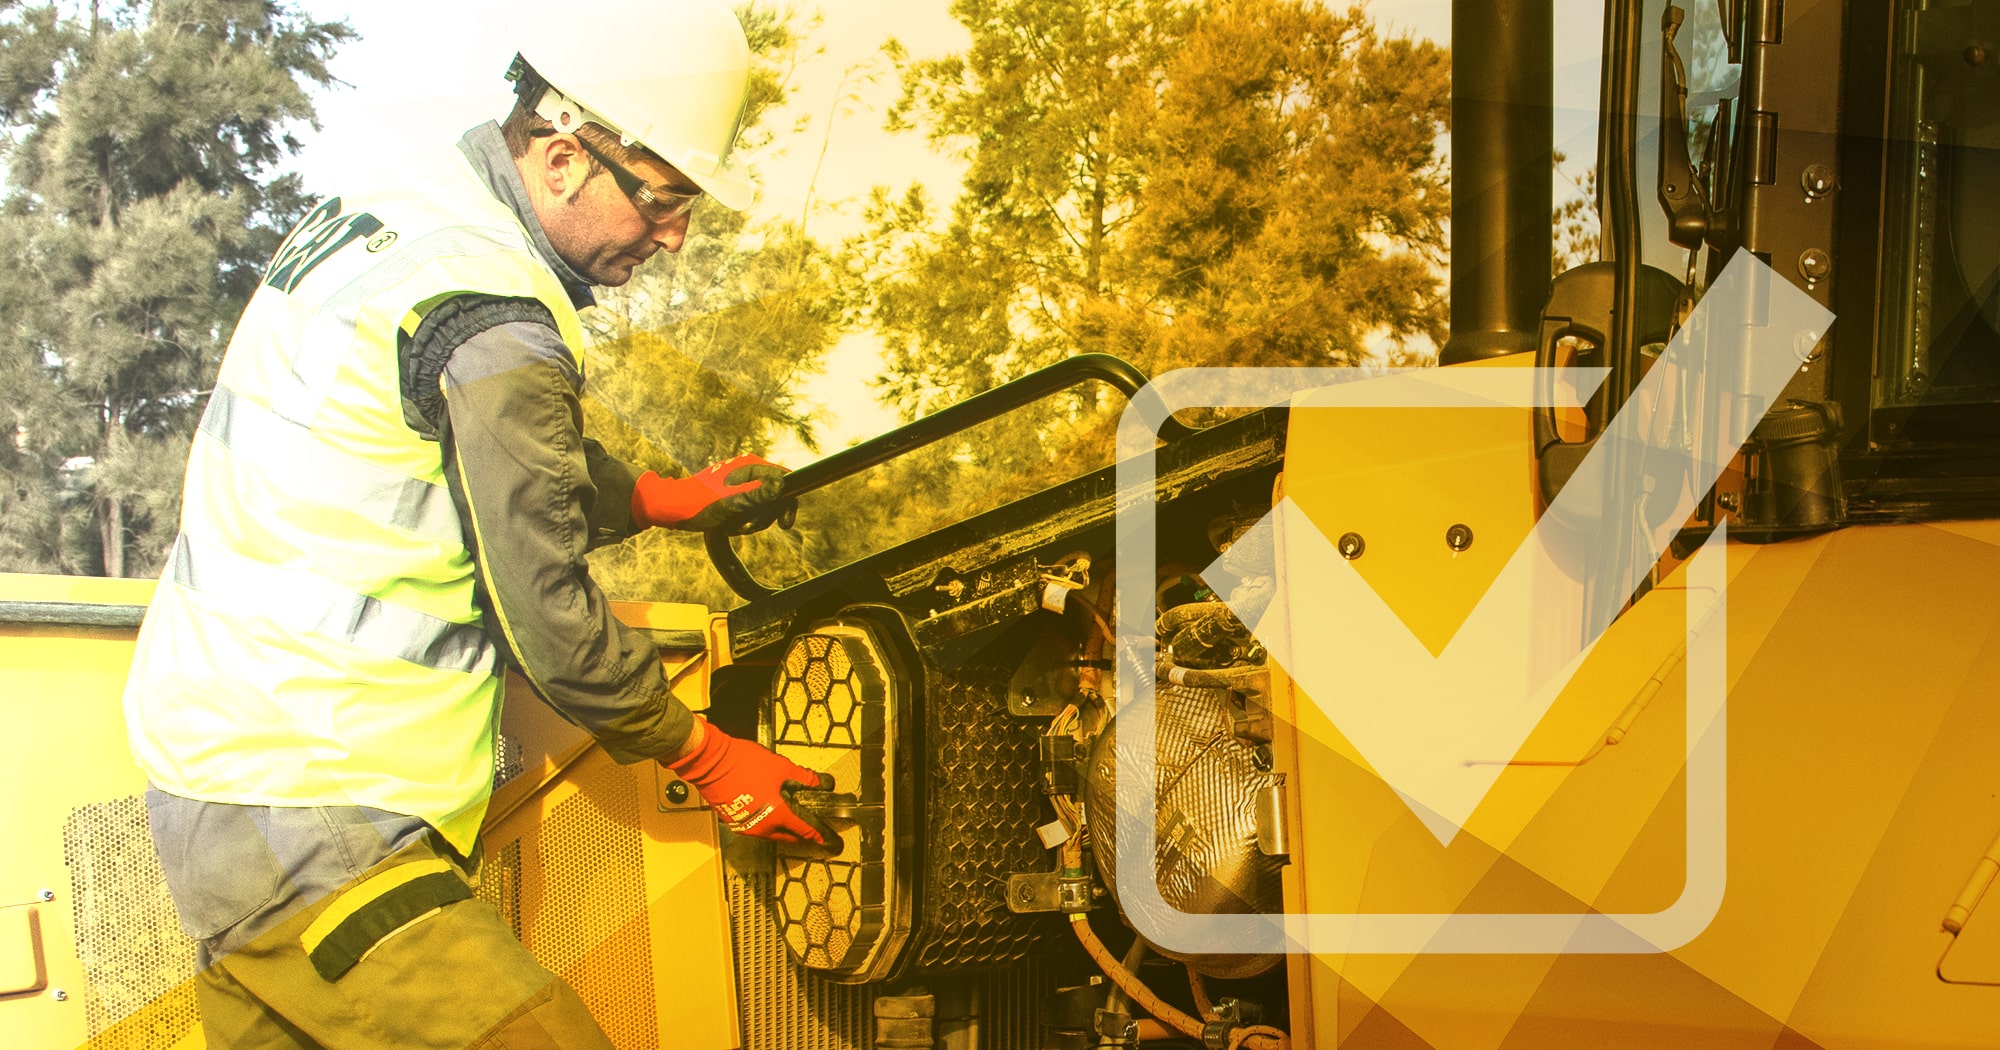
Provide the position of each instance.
(591, 221)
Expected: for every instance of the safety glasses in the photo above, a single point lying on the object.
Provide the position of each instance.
(656, 204)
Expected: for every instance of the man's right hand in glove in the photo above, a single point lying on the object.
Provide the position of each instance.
(746, 784)
(744, 487)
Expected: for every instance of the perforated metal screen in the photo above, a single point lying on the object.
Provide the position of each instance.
(127, 935)
(583, 896)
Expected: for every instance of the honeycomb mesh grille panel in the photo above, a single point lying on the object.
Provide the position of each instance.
(591, 925)
(134, 954)
(779, 1005)
(829, 716)
(984, 804)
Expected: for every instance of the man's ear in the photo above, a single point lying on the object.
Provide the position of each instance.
(560, 165)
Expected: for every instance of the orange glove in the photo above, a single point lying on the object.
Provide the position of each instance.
(734, 488)
(748, 786)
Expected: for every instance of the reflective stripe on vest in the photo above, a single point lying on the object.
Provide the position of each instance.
(313, 606)
(404, 502)
(316, 639)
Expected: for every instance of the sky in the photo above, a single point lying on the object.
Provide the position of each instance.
(423, 72)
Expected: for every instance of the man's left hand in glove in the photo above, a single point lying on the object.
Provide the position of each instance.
(747, 785)
(749, 489)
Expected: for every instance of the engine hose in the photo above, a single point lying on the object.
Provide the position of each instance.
(1118, 1002)
(1129, 983)
(1200, 990)
(1259, 1037)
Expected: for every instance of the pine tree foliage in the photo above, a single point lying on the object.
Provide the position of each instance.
(139, 143)
(1574, 218)
(1175, 182)
(1236, 182)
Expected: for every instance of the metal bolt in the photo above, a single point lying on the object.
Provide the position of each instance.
(1817, 180)
(677, 792)
(60, 995)
(1458, 538)
(1806, 346)
(1351, 545)
(1815, 264)
(1975, 54)
(1730, 501)
(47, 895)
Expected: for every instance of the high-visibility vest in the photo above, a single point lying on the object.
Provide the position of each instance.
(314, 639)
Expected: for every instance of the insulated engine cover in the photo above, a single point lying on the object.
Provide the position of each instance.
(1206, 856)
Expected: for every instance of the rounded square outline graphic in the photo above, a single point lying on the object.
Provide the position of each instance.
(1392, 932)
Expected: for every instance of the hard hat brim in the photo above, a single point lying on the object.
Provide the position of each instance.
(729, 185)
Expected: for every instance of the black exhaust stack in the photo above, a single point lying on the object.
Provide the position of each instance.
(1502, 132)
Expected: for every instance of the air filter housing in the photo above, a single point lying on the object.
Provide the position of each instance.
(947, 798)
(834, 709)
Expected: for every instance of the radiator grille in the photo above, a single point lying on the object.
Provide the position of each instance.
(782, 1006)
(127, 935)
(779, 1005)
(587, 894)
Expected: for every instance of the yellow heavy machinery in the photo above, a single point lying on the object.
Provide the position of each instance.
(1760, 814)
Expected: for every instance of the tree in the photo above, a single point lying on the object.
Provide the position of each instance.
(140, 140)
(1575, 219)
(1177, 182)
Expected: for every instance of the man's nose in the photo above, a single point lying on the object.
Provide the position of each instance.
(671, 234)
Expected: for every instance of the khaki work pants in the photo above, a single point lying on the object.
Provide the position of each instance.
(252, 885)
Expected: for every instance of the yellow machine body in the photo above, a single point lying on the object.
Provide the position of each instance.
(610, 874)
(1860, 802)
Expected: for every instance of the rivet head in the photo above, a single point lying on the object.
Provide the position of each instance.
(1815, 264)
(60, 995)
(677, 792)
(47, 895)
(1817, 180)
(1351, 545)
(1458, 538)
(1975, 54)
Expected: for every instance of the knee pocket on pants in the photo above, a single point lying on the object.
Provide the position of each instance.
(552, 1019)
(219, 868)
(377, 908)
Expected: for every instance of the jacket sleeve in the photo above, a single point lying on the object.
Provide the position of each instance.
(527, 487)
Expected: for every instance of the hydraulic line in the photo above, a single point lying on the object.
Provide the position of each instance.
(1200, 989)
(1253, 1037)
(1142, 996)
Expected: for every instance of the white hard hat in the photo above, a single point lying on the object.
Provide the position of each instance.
(670, 75)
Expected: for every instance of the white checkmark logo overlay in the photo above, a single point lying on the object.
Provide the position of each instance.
(1428, 725)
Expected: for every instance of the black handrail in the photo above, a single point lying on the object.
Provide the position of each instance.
(966, 414)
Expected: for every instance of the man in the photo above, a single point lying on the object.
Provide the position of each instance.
(389, 495)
